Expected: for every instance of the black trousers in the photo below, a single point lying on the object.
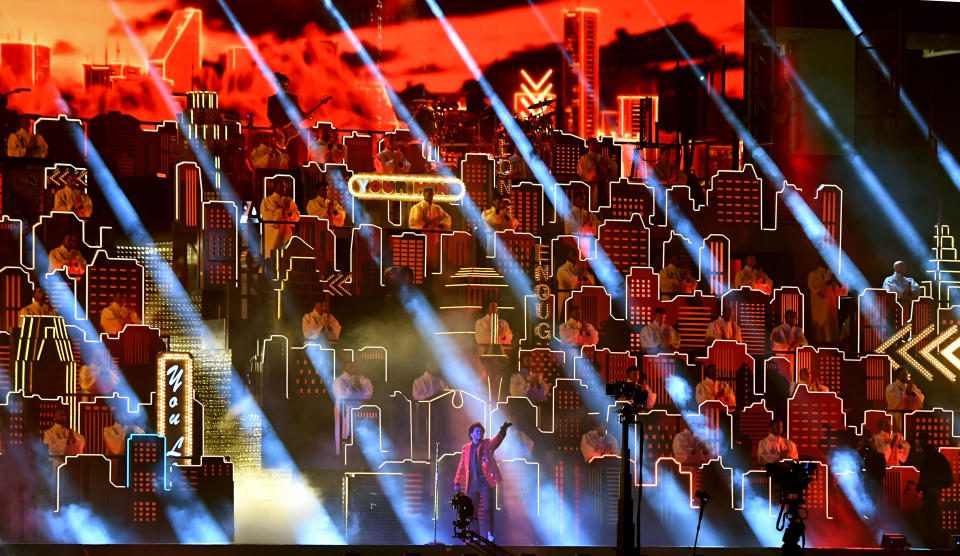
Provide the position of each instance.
(482, 495)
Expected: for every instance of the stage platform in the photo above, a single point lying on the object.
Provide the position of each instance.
(401, 550)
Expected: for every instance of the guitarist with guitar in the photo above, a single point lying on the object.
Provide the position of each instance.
(287, 132)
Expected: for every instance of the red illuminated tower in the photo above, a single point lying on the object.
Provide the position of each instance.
(581, 74)
(177, 56)
(28, 62)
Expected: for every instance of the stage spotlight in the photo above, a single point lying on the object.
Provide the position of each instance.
(899, 542)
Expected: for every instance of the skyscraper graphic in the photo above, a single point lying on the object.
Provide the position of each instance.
(177, 56)
(28, 62)
(581, 74)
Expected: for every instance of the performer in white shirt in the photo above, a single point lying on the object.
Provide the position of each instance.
(483, 329)
(906, 288)
(499, 216)
(598, 442)
(689, 449)
(574, 332)
(658, 337)
(278, 209)
(426, 215)
(804, 378)
(115, 443)
(723, 328)
(61, 440)
(711, 389)
(774, 447)
(326, 208)
(352, 385)
(265, 154)
(430, 383)
(529, 382)
(349, 391)
(391, 159)
(752, 277)
(98, 377)
(72, 198)
(67, 256)
(902, 394)
(572, 275)
(39, 306)
(825, 293)
(116, 315)
(647, 397)
(580, 221)
(675, 279)
(319, 323)
(788, 336)
(891, 444)
(23, 143)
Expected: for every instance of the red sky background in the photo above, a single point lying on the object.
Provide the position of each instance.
(418, 51)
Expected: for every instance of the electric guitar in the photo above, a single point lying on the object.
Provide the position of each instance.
(290, 131)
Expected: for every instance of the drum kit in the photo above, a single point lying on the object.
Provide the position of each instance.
(448, 126)
(444, 123)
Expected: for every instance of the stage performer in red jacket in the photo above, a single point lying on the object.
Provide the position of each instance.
(478, 473)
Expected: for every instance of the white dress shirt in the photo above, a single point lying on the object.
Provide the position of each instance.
(314, 324)
(483, 333)
(775, 448)
(709, 389)
(897, 283)
(902, 397)
(784, 335)
(429, 216)
(114, 317)
(427, 386)
(655, 337)
(720, 329)
(571, 334)
(277, 208)
(328, 209)
(593, 445)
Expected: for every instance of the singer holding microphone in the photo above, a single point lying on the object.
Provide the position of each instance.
(478, 473)
(902, 394)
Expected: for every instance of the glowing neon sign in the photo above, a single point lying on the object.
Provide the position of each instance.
(542, 276)
(405, 187)
(532, 92)
(175, 402)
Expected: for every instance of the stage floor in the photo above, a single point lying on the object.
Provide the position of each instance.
(399, 550)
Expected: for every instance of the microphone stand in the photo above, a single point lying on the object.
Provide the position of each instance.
(703, 504)
(436, 493)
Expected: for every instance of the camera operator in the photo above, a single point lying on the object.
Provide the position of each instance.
(902, 394)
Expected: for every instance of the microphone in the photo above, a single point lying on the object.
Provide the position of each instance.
(702, 495)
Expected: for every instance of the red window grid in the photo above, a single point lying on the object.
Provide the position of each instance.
(411, 253)
(526, 207)
(144, 511)
(625, 244)
(219, 273)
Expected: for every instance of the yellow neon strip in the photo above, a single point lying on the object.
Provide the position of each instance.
(358, 184)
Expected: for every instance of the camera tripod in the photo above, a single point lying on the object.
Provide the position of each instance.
(628, 524)
(790, 521)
